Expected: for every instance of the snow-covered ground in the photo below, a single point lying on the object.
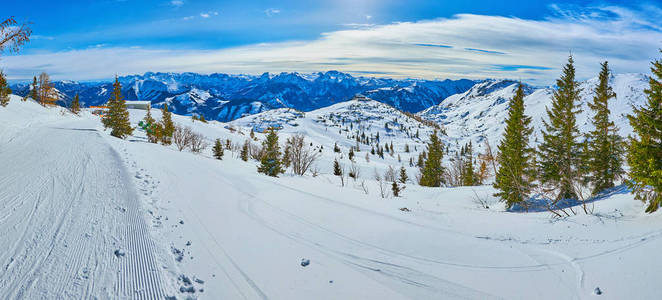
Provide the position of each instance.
(87, 215)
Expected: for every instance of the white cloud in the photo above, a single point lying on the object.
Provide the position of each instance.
(208, 14)
(465, 46)
(177, 3)
(271, 11)
(368, 17)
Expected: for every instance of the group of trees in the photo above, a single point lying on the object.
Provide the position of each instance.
(567, 162)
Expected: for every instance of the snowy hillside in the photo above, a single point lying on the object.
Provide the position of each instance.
(483, 109)
(91, 216)
(226, 97)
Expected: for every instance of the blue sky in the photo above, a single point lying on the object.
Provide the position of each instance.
(526, 40)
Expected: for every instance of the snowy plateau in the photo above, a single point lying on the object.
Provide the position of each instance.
(88, 216)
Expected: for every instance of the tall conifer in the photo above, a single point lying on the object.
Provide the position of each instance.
(117, 118)
(432, 169)
(75, 105)
(560, 153)
(33, 91)
(645, 149)
(604, 145)
(218, 149)
(167, 125)
(270, 161)
(516, 173)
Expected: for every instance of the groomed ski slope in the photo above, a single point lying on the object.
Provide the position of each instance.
(72, 226)
(222, 231)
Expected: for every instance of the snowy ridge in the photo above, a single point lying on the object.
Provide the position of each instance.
(482, 110)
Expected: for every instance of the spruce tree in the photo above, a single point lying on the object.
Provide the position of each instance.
(560, 153)
(33, 91)
(167, 124)
(244, 151)
(337, 170)
(351, 153)
(117, 118)
(270, 163)
(5, 91)
(515, 176)
(150, 126)
(403, 175)
(468, 174)
(604, 145)
(75, 105)
(645, 149)
(396, 189)
(218, 149)
(433, 170)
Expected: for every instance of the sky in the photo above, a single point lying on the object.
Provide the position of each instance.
(430, 39)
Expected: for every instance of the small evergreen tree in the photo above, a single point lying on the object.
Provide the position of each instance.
(337, 170)
(167, 124)
(351, 153)
(432, 169)
(396, 189)
(287, 153)
(150, 126)
(244, 151)
(218, 149)
(515, 174)
(560, 153)
(468, 176)
(604, 146)
(5, 91)
(75, 105)
(270, 163)
(118, 115)
(645, 149)
(35, 88)
(336, 149)
(403, 175)
(202, 119)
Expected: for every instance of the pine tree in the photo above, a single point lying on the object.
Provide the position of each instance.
(167, 124)
(468, 174)
(118, 115)
(5, 91)
(150, 126)
(218, 149)
(202, 119)
(403, 175)
(645, 149)
(560, 153)
(395, 188)
(337, 170)
(33, 91)
(270, 163)
(605, 146)
(244, 151)
(287, 160)
(75, 105)
(432, 169)
(516, 172)
(351, 153)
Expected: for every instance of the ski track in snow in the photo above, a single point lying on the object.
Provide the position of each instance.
(65, 208)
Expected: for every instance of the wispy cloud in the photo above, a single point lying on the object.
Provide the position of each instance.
(498, 47)
(208, 14)
(271, 11)
(177, 3)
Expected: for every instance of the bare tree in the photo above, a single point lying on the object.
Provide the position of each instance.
(354, 172)
(301, 155)
(46, 92)
(13, 36)
(383, 186)
(182, 137)
(198, 142)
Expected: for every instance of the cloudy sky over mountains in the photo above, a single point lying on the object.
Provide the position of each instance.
(526, 40)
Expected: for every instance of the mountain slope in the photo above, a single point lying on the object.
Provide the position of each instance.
(482, 110)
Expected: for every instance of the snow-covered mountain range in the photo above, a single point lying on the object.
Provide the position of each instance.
(226, 97)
